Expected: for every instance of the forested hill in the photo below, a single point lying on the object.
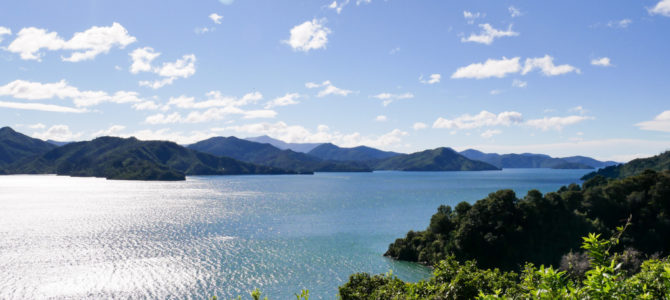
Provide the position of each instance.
(132, 159)
(15, 146)
(329, 151)
(269, 155)
(503, 231)
(531, 160)
(658, 163)
(440, 159)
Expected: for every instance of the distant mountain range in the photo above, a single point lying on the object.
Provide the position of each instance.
(119, 158)
(659, 162)
(298, 147)
(440, 159)
(269, 155)
(530, 160)
(329, 151)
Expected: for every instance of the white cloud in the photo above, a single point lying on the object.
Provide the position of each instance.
(308, 36)
(142, 58)
(41, 107)
(619, 24)
(432, 79)
(490, 133)
(57, 133)
(556, 123)
(659, 123)
(216, 18)
(338, 6)
(394, 51)
(488, 34)
(419, 126)
(170, 71)
(495, 92)
(29, 90)
(500, 68)
(519, 83)
(328, 89)
(37, 126)
(288, 99)
(85, 45)
(218, 107)
(113, 130)
(389, 98)
(483, 119)
(4, 31)
(546, 65)
(381, 118)
(578, 109)
(146, 105)
(661, 8)
(260, 114)
(203, 30)
(601, 62)
(514, 12)
(490, 68)
(300, 134)
(470, 16)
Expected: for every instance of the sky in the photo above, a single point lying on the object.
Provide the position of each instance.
(556, 77)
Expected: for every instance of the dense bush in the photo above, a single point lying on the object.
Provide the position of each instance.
(604, 278)
(502, 231)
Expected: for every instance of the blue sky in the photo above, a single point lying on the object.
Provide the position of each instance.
(556, 77)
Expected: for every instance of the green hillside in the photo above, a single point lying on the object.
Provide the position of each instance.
(118, 158)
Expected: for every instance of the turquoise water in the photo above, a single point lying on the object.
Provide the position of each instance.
(63, 237)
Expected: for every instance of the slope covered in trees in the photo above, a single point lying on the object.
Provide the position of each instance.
(269, 155)
(505, 232)
(440, 159)
(15, 146)
(530, 160)
(329, 151)
(659, 162)
(132, 159)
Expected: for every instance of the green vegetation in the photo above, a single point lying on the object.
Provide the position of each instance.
(268, 155)
(132, 159)
(529, 160)
(360, 154)
(605, 277)
(659, 162)
(15, 146)
(440, 159)
(503, 231)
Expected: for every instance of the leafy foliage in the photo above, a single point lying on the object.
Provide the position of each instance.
(505, 232)
(453, 280)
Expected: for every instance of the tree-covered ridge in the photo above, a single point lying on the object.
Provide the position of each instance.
(132, 159)
(659, 162)
(440, 159)
(269, 155)
(15, 146)
(530, 160)
(505, 232)
(331, 152)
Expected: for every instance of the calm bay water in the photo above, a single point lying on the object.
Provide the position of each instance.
(63, 237)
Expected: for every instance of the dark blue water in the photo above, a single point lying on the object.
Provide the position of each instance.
(64, 237)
